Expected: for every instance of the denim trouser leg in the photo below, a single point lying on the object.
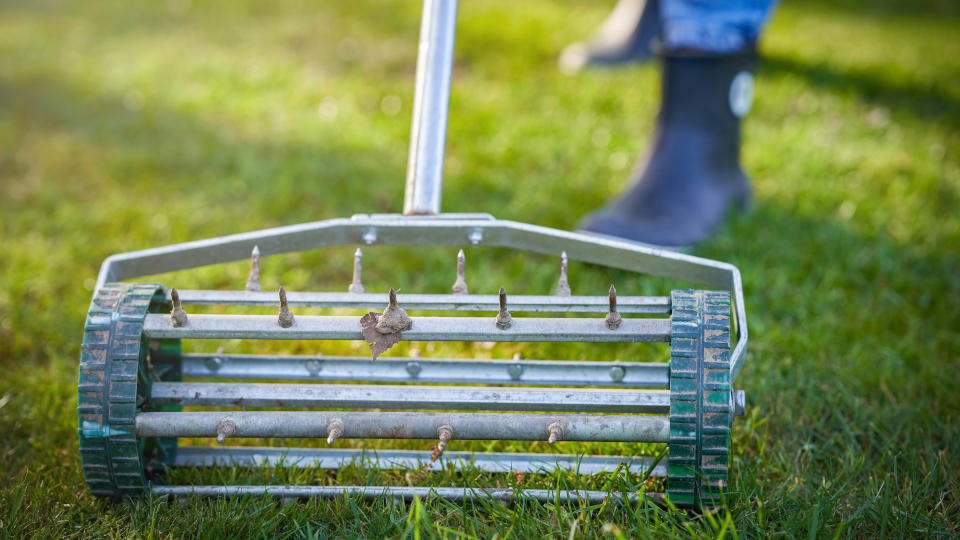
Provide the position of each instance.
(712, 26)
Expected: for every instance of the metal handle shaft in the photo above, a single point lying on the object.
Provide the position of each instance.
(430, 104)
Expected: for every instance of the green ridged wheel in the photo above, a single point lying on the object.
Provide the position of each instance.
(700, 399)
(117, 367)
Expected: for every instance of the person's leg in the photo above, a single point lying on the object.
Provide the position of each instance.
(692, 174)
(625, 36)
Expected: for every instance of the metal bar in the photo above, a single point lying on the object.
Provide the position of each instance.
(335, 458)
(455, 494)
(441, 230)
(424, 329)
(446, 302)
(427, 370)
(406, 425)
(368, 396)
(428, 131)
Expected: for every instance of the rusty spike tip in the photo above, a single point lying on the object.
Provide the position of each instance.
(613, 319)
(334, 431)
(460, 285)
(178, 317)
(554, 432)
(444, 434)
(563, 286)
(284, 318)
(356, 286)
(225, 429)
(253, 280)
(393, 319)
(504, 320)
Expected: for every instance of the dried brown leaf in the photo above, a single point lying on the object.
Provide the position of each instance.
(379, 343)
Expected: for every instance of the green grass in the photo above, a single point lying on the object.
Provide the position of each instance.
(131, 125)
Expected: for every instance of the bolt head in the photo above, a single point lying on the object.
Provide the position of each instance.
(413, 368)
(475, 237)
(515, 371)
(617, 373)
(213, 363)
(313, 366)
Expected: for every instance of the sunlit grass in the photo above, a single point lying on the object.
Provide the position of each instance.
(131, 125)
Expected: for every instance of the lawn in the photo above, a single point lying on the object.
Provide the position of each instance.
(130, 125)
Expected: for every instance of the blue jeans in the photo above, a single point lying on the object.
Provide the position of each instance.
(712, 26)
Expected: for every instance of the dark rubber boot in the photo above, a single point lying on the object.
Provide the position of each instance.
(625, 36)
(692, 175)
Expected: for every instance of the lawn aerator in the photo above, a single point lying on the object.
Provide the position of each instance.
(133, 371)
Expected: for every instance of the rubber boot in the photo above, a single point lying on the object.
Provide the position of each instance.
(625, 36)
(691, 176)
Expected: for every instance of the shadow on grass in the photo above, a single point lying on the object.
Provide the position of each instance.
(870, 87)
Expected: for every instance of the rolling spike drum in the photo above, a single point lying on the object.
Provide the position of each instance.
(134, 378)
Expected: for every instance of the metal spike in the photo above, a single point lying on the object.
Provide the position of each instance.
(285, 318)
(613, 319)
(253, 280)
(393, 319)
(225, 429)
(334, 431)
(444, 433)
(460, 285)
(563, 287)
(178, 317)
(554, 432)
(504, 320)
(356, 286)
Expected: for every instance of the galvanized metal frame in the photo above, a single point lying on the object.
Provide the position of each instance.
(441, 230)
(425, 370)
(335, 458)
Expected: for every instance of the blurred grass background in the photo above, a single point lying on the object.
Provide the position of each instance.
(131, 125)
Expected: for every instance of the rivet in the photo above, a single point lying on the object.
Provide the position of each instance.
(413, 368)
(617, 373)
(313, 366)
(214, 362)
(475, 237)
